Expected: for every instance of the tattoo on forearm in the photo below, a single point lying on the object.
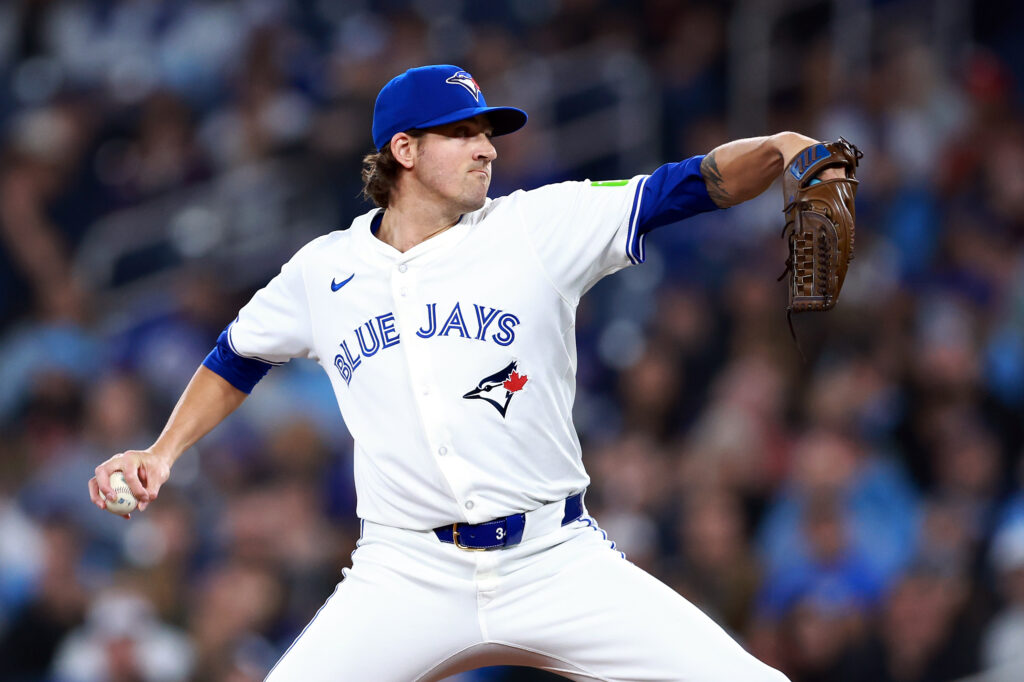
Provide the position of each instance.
(714, 181)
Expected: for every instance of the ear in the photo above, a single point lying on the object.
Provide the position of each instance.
(403, 148)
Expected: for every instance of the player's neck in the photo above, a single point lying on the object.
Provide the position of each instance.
(406, 224)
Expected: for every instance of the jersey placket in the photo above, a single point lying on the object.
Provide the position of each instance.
(426, 390)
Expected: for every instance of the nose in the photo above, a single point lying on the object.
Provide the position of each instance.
(485, 151)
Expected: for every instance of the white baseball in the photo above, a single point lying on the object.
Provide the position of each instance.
(125, 501)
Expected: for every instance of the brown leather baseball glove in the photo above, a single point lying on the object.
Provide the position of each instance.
(819, 224)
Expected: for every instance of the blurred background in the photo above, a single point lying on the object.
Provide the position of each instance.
(857, 517)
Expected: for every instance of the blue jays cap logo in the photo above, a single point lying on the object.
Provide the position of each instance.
(467, 81)
(498, 388)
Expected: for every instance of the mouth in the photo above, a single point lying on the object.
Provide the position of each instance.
(481, 171)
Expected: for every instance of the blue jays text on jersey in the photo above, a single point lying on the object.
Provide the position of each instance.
(379, 332)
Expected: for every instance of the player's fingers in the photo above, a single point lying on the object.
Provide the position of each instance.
(131, 477)
(94, 494)
(144, 480)
(103, 472)
(154, 475)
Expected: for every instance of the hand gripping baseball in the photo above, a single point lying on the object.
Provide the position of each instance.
(144, 471)
(207, 400)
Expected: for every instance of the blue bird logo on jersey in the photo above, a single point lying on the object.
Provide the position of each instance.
(467, 81)
(498, 388)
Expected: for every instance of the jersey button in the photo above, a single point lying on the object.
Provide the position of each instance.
(442, 451)
(469, 505)
(403, 267)
(403, 291)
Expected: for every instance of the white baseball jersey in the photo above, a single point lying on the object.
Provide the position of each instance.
(454, 367)
(453, 363)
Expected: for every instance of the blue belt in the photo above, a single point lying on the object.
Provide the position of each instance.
(503, 532)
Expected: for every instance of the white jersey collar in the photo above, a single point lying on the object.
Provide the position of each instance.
(434, 245)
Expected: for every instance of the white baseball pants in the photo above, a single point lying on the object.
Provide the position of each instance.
(414, 608)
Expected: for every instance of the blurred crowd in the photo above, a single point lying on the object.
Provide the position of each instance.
(858, 516)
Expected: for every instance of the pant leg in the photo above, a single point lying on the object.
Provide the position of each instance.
(406, 603)
(581, 602)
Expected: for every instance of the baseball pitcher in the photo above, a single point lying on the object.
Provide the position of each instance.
(445, 321)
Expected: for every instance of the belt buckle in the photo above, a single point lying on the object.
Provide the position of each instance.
(455, 539)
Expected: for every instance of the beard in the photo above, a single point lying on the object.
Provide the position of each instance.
(474, 198)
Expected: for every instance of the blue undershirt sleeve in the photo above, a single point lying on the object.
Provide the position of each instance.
(242, 373)
(672, 193)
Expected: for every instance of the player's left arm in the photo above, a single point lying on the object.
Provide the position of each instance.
(727, 175)
(740, 170)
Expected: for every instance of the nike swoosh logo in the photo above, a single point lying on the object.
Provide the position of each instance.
(337, 285)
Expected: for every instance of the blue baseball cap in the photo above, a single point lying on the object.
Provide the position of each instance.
(434, 95)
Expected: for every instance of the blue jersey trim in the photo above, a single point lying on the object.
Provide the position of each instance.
(634, 238)
(242, 373)
(592, 523)
(378, 219)
(671, 193)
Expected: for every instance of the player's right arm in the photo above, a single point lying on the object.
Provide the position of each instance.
(273, 327)
(205, 403)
